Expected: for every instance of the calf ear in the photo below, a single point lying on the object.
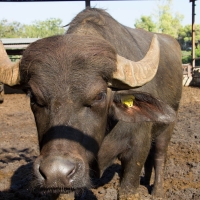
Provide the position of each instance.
(132, 106)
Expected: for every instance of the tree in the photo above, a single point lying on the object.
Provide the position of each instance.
(40, 29)
(146, 23)
(164, 22)
(10, 29)
(185, 36)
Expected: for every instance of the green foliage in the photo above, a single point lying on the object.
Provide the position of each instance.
(38, 29)
(10, 29)
(165, 21)
(185, 33)
(146, 23)
(168, 22)
(197, 55)
(187, 57)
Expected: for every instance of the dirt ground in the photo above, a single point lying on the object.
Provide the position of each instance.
(18, 149)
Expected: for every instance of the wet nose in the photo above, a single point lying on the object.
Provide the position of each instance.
(56, 168)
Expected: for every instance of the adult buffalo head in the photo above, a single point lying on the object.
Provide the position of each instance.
(75, 85)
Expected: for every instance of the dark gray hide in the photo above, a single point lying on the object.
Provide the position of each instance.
(81, 120)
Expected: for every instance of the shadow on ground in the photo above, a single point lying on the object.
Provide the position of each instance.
(20, 183)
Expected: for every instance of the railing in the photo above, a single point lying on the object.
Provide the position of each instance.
(191, 76)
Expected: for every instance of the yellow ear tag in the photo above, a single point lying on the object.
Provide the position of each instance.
(128, 100)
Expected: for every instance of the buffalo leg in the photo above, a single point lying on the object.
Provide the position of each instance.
(160, 151)
(1, 93)
(133, 160)
(148, 167)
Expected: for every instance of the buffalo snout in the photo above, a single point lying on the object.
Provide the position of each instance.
(57, 170)
(59, 174)
(63, 164)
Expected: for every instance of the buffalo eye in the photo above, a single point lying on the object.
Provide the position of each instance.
(35, 100)
(100, 96)
(98, 99)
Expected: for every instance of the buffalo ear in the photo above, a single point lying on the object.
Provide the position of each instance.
(132, 106)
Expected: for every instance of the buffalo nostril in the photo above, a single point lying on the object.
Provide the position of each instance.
(57, 168)
(70, 169)
(42, 173)
(66, 168)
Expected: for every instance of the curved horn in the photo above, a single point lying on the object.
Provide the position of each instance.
(134, 74)
(9, 71)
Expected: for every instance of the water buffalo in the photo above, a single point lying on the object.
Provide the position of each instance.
(101, 91)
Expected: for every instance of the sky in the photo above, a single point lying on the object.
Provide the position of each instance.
(126, 12)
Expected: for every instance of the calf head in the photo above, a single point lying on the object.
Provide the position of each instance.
(70, 81)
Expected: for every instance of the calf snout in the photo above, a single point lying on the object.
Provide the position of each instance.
(57, 170)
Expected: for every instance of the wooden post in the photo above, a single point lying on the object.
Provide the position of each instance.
(193, 33)
(87, 3)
